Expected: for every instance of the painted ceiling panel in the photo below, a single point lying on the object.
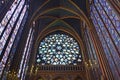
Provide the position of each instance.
(75, 23)
(81, 4)
(67, 4)
(57, 23)
(43, 22)
(35, 4)
(55, 13)
(59, 13)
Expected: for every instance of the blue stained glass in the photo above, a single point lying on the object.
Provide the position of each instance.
(111, 13)
(62, 50)
(108, 32)
(109, 25)
(5, 36)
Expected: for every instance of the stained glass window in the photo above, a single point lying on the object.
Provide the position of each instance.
(11, 23)
(14, 15)
(107, 24)
(26, 55)
(58, 49)
(8, 15)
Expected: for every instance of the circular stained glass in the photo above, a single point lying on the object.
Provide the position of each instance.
(58, 49)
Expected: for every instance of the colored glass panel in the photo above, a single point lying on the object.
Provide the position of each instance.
(58, 49)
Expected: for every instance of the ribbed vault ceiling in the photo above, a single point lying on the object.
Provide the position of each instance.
(54, 13)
